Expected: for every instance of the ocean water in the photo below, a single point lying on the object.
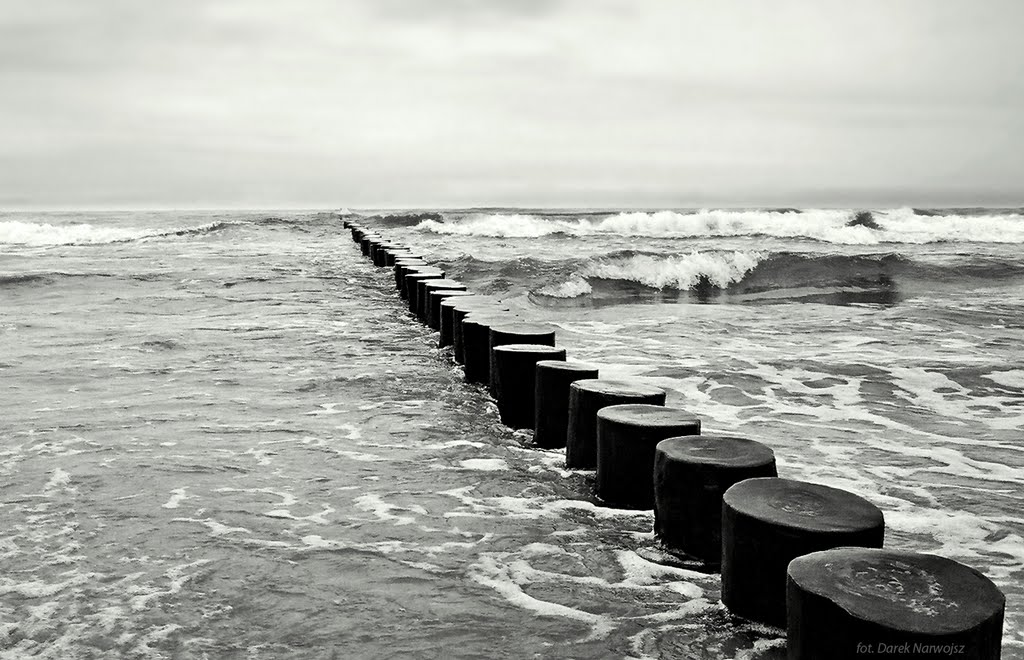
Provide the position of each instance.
(222, 436)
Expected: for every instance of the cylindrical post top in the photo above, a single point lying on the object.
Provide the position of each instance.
(484, 311)
(453, 295)
(907, 591)
(529, 348)
(459, 300)
(518, 328)
(718, 450)
(610, 387)
(567, 366)
(478, 301)
(802, 505)
(445, 284)
(409, 261)
(646, 415)
(488, 318)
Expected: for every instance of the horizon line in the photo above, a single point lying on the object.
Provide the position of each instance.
(461, 208)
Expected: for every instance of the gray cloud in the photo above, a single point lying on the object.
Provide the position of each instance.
(242, 102)
(463, 9)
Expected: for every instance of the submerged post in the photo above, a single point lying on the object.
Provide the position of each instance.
(691, 474)
(769, 522)
(513, 374)
(588, 396)
(553, 379)
(626, 439)
(517, 333)
(851, 603)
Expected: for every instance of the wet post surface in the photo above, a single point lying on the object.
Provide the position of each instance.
(627, 436)
(588, 396)
(517, 333)
(768, 522)
(552, 399)
(476, 330)
(402, 266)
(515, 379)
(413, 277)
(447, 313)
(851, 603)
(423, 302)
(691, 474)
(462, 310)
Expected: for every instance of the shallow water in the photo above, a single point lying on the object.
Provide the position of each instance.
(233, 441)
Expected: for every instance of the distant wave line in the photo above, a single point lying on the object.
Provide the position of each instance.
(830, 226)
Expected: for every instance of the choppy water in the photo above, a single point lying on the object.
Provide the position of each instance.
(223, 437)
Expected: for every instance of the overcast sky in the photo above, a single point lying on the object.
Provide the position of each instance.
(650, 103)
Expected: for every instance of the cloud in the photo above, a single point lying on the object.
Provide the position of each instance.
(461, 10)
(482, 101)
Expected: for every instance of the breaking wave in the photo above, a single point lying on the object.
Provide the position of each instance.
(35, 234)
(830, 226)
(754, 272)
(405, 219)
(572, 288)
(718, 269)
(499, 225)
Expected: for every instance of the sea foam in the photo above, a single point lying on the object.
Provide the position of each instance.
(681, 271)
(497, 225)
(571, 288)
(825, 225)
(37, 234)
(678, 271)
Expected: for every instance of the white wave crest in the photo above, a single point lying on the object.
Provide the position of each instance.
(681, 272)
(832, 226)
(496, 225)
(34, 234)
(678, 271)
(904, 226)
(816, 224)
(572, 288)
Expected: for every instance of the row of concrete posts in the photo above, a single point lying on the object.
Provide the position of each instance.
(792, 554)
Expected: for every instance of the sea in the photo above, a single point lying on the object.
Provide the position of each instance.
(222, 435)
